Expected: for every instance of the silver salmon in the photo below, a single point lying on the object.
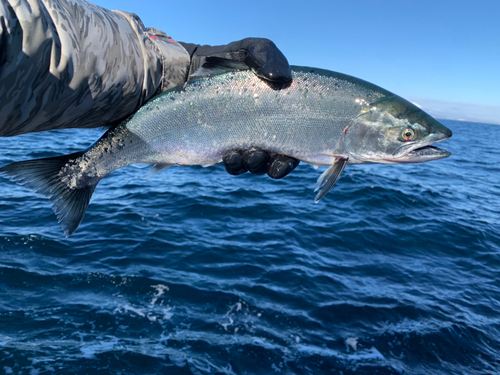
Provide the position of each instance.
(321, 118)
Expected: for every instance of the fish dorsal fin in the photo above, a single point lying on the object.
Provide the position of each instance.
(329, 177)
(215, 65)
(157, 169)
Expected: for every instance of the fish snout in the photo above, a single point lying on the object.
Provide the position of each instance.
(438, 131)
(445, 133)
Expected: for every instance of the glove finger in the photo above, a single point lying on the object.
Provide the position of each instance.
(267, 60)
(256, 161)
(281, 165)
(233, 162)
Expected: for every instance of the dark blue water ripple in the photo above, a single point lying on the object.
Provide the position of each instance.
(192, 271)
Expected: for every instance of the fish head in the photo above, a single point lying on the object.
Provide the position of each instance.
(393, 130)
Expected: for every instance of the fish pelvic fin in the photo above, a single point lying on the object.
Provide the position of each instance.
(44, 177)
(329, 177)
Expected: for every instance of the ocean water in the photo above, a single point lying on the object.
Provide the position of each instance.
(193, 271)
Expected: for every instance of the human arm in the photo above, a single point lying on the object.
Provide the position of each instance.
(72, 64)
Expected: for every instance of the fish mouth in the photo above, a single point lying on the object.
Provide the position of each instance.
(423, 154)
(420, 152)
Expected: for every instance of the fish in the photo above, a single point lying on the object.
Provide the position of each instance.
(321, 117)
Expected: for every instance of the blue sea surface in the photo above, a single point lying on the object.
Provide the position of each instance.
(193, 271)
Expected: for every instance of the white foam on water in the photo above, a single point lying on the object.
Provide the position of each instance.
(230, 323)
(153, 316)
(237, 307)
(351, 342)
(127, 308)
(160, 290)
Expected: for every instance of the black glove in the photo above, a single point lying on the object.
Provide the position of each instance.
(268, 62)
(260, 55)
(259, 162)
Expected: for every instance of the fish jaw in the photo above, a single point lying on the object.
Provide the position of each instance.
(422, 155)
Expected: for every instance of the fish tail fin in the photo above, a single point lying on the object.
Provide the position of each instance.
(45, 176)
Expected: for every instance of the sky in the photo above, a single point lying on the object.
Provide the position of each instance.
(443, 53)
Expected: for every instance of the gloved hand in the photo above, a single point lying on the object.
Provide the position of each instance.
(268, 62)
(259, 162)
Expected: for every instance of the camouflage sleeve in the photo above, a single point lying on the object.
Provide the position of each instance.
(72, 64)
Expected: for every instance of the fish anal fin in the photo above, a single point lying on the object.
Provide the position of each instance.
(157, 169)
(329, 177)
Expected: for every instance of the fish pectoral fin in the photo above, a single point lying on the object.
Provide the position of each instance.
(329, 177)
(214, 65)
(157, 169)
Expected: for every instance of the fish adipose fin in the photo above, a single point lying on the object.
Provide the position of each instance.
(157, 169)
(44, 177)
(329, 177)
(215, 65)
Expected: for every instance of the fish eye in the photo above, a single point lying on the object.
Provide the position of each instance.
(408, 134)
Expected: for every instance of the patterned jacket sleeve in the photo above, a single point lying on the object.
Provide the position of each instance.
(72, 64)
